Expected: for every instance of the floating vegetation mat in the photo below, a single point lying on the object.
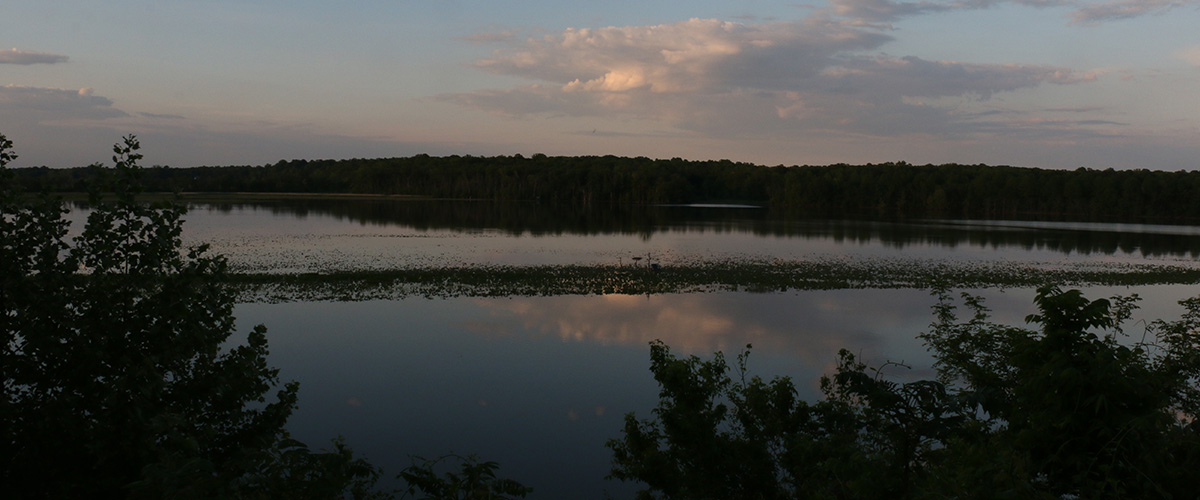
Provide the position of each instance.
(742, 275)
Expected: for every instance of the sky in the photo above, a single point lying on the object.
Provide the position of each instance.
(1036, 83)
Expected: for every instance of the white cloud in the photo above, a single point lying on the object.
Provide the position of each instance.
(685, 56)
(726, 79)
(15, 56)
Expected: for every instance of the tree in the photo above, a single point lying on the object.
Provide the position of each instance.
(475, 480)
(1070, 410)
(1081, 409)
(118, 378)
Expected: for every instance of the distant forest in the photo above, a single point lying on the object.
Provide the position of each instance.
(885, 189)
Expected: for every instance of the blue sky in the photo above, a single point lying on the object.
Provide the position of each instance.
(1045, 83)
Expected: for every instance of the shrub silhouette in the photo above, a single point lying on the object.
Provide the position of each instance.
(119, 380)
(1069, 410)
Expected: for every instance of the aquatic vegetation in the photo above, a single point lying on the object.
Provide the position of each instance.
(749, 275)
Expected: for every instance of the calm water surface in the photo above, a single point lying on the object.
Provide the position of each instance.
(373, 235)
(538, 384)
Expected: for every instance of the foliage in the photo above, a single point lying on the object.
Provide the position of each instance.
(295, 472)
(475, 480)
(1070, 410)
(1082, 409)
(119, 377)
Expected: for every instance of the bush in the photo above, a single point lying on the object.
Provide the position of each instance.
(1072, 409)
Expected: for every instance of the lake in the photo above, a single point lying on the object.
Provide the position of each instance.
(539, 383)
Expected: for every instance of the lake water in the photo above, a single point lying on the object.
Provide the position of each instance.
(538, 384)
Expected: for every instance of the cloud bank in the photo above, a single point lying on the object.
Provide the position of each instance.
(25, 57)
(38, 104)
(1081, 12)
(727, 79)
(1125, 9)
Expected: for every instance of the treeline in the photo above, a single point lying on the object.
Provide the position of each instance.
(890, 188)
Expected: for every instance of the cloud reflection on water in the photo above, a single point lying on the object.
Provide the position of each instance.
(800, 331)
(538, 383)
(803, 330)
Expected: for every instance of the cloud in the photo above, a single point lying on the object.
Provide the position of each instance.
(1083, 12)
(885, 10)
(47, 124)
(1079, 109)
(915, 77)
(41, 104)
(725, 79)
(1124, 9)
(162, 116)
(69, 128)
(689, 55)
(503, 36)
(15, 56)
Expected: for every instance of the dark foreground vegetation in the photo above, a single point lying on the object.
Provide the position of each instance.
(1071, 409)
(119, 382)
(975, 191)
